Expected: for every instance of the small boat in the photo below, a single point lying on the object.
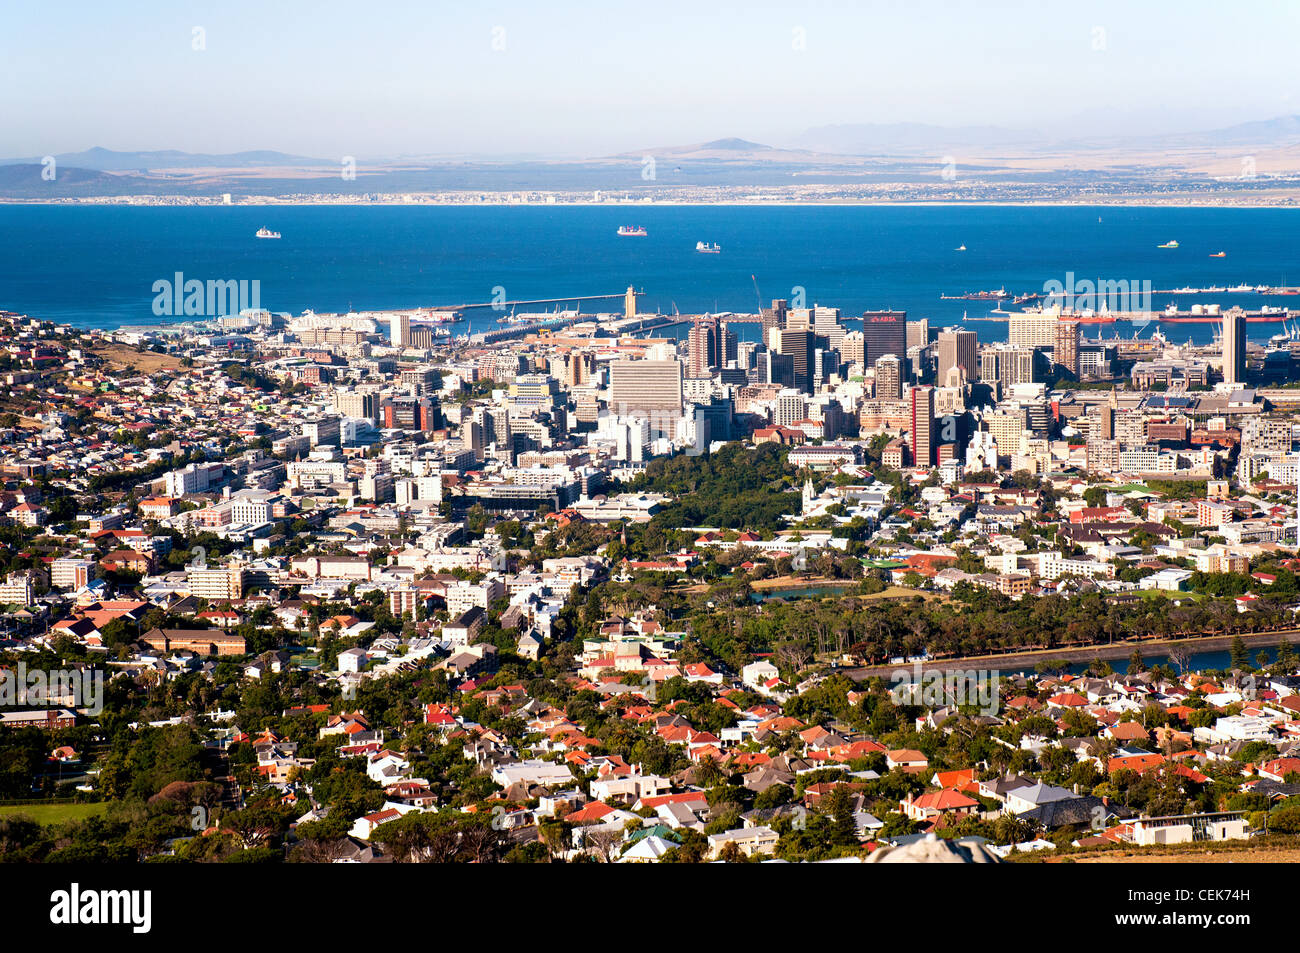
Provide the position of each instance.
(265, 232)
(707, 249)
(1219, 254)
(1169, 244)
(960, 248)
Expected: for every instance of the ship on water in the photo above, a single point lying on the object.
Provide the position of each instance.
(707, 249)
(998, 295)
(265, 232)
(1169, 244)
(635, 231)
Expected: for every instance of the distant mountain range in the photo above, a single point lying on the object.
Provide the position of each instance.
(854, 152)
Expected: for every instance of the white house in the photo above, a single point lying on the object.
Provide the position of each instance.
(352, 660)
(757, 673)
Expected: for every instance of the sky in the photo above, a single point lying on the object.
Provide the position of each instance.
(575, 78)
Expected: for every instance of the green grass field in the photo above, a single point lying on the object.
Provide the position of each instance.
(54, 813)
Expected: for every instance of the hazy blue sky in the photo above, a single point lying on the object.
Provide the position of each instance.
(386, 78)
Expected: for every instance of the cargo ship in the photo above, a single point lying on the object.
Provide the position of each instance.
(999, 295)
(1265, 315)
(1219, 254)
(265, 232)
(634, 231)
(1169, 244)
(707, 249)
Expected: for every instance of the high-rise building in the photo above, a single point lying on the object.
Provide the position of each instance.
(889, 378)
(922, 432)
(1107, 414)
(704, 347)
(646, 386)
(825, 363)
(957, 349)
(826, 323)
(852, 348)
(410, 413)
(798, 344)
(776, 368)
(1032, 330)
(629, 303)
(399, 330)
(774, 317)
(580, 368)
(884, 332)
(800, 319)
(1067, 346)
(363, 405)
(1234, 346)
(918, 333)
(790, 407)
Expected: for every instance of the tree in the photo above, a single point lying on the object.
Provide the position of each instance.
(1180, 653)
(1239, 653)
(838, 805)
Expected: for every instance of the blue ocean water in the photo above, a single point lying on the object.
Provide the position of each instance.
(96, 266)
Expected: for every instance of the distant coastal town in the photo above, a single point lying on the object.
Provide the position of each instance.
(1272, 193)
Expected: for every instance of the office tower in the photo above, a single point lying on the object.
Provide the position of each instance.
(747, 354)
(704, 347)
(728, 344)
(420, 380)
(535, 391)
(991, 365)
(918, 333)
(410, 413)
(1067, 346)
(360, 404)
(799, 319)
(629, 303)
(889, 378)
(580, 368)
(399, 330)
(1008, 429)
(957, 349)
(776, 368)
(645, 386)
(884, 332)
(825, 363)
(774, 317)
(826, 323)
(922, 433)
(1032, 330)
(1234, 346)
(790, 408)
(799, 345)
(852, 348)
(1107, 414)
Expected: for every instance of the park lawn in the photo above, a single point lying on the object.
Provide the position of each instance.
(54, 813)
